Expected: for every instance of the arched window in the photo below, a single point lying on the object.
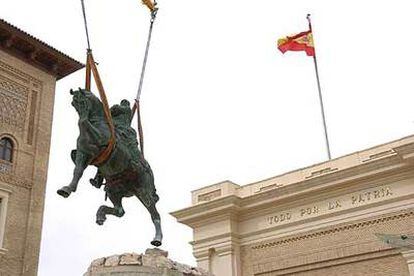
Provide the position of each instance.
(6, 149)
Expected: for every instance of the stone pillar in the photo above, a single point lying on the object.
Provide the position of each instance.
(203, 259)
(153, 263)
(221, 259)
(229, 261)
(409, 257)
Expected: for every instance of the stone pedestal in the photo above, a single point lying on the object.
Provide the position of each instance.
(154, 262)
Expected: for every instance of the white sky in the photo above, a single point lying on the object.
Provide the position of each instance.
(219, 101)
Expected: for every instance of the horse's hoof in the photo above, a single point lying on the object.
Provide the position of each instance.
(156, 243)
(95, 183)
(100, 221)
(64, 191)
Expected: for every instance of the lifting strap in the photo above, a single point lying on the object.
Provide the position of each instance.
(103, 155)
(92, 69)
(151, 5)
(88, 73)
(136, 108)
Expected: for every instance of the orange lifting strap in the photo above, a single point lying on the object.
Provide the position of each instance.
(136, 108)
(91, 67)
(149, 4)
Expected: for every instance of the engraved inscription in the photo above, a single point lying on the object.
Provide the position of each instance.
(332, 205)
(371, 195)
(279, 218)
(309, 211)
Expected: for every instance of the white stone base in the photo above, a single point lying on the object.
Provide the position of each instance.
(153, 263)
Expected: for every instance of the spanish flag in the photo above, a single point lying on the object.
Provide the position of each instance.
(300, 42)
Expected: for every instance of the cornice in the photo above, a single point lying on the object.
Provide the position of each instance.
(225, 206)
(36, 52)
(222, 248)
(6, 189)
(284, 196)
(334, 178)
(392, 165)
(406, 152)
(229, 237)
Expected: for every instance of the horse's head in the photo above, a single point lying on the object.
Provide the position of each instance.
(86, 103)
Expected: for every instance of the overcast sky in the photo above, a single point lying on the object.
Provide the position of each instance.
(219, 101)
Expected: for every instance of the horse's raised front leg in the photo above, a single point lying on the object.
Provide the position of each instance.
(118, 210)
(81, 162)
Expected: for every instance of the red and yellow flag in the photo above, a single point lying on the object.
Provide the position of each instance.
(300, 42)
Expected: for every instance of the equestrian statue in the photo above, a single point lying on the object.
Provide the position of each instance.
(125, 172)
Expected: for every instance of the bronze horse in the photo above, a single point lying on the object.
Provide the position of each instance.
(126, 171)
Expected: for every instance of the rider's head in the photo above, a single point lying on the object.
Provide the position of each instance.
(125, 103)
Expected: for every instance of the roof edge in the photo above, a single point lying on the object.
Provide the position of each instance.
(32, 50)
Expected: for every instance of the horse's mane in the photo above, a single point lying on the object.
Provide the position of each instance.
(92, 97)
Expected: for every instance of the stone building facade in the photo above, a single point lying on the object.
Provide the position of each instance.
(29, 70)
(326, 219)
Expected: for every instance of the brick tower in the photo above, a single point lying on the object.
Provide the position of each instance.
(29, 70)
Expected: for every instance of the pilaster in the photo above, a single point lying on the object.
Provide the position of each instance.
(409, 257)
(218, 257)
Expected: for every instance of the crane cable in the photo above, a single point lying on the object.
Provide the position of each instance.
(85, 22)
(152, 6)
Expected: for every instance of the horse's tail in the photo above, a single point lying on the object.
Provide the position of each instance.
(152, 184)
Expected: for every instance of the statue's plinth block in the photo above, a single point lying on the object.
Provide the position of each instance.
(154, 262)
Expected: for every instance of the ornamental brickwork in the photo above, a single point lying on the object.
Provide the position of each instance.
(332, 248)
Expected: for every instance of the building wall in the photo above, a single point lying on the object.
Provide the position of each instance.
(345, 249)
(26, 107)
(319, 220)
(384, 266)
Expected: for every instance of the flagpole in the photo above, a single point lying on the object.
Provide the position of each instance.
(320, 95)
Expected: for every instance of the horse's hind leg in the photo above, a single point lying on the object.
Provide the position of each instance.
(156, 220)
(118, 210)
(155, 216)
